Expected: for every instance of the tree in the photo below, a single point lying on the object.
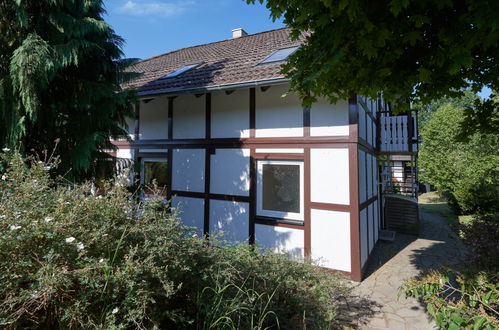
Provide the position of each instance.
(60, 76)
(408, 50)
(465, 172)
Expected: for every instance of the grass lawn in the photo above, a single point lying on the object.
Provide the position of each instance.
(433, 203)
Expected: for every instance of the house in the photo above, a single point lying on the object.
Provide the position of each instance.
(242, 159)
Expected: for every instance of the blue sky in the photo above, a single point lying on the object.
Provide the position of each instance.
(153, 27)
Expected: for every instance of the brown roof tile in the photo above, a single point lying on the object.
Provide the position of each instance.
(224, 62)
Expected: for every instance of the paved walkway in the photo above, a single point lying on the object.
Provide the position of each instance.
(393, 262)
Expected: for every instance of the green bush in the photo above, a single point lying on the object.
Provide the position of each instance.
(467, 173)
(458, 299)
(71, 259)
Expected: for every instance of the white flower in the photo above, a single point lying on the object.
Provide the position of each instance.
(115, 310)
(101, 260)
(48, 219)
(80, 246)
(39, 162)
(14, 227)
(5, 149)
(4, 177)
(70, 239)
(46, 168)
(3, 216)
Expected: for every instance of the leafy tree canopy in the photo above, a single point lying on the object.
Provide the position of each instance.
(409, 50)
(60, 75)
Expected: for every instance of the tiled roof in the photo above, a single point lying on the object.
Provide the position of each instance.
(224, 63)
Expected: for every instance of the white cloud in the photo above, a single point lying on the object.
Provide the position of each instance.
(153, 8)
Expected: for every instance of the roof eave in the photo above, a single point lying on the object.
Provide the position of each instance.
(204, 89)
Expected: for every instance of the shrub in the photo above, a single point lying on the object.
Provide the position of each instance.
(458, 299)
(71, 259)
(482, 235)
(464, 172)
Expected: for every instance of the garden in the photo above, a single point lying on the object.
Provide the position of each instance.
(71, 258)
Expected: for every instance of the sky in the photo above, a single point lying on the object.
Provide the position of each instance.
(154, 27)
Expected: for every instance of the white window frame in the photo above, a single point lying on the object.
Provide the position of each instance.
(259, 191)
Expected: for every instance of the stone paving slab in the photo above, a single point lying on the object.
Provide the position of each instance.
(405, 257)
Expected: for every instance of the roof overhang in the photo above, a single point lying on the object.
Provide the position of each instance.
(205, 89)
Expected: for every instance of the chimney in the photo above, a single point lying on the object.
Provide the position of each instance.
(237, 33)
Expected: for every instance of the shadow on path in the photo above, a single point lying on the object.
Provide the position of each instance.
(393, 262)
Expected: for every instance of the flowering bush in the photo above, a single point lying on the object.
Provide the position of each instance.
(71, 259)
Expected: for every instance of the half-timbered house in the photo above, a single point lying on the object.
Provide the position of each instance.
(244, 160)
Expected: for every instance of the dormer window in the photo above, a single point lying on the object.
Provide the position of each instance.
(279, 55)
(180, 71)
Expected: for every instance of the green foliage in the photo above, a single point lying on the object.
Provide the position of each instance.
(482, 235)
(465, 172)
(70, 259)
(60, 75)
(458, 299)
(409, 50)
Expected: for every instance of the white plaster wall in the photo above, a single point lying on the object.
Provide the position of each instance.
(369, 130)
(329, 119)
(363, 237)
(362, 177)
(362, 122)
(130, 122)
(281, 240)
(373, 133)
(229, 221)
(189, 117)
(278, 116)
(124, 153)
(154, 119)
(330, 176)
(370, 217)
(230, 172)
(280, 150)
(330, 239)
(188, 170)
(230, 114)
(369, 175)
(190, 211)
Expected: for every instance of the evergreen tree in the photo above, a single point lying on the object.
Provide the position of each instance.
(60, 73)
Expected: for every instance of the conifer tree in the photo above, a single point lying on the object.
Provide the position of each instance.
(61, 68)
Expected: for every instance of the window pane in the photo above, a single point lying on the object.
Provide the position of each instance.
(281, 188)
(280, 55)
(156, 171)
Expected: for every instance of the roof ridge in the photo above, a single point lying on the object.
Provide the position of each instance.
(209, 43)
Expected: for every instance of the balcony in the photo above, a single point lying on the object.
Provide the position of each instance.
(398, 134)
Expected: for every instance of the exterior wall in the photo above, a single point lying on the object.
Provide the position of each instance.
(230, 114)
(213, 144)
(154, 119)
(369, 199)
(278, 115)
(281, 240)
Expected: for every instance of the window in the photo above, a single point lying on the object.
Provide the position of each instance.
(280, 189)
(180, 71)
(279, 55)
(155, 177)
